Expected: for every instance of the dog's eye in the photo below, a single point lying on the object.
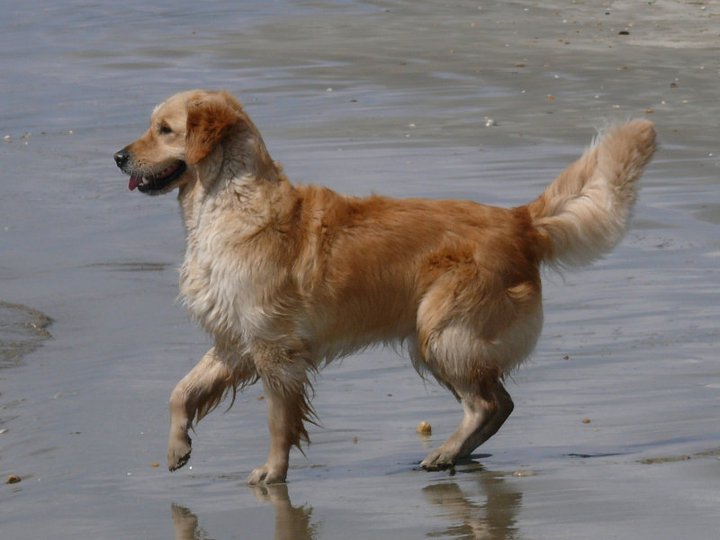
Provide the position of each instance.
(164, 129)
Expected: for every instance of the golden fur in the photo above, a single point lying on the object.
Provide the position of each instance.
(286, 278)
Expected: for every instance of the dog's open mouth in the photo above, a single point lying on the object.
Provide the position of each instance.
(158, 182)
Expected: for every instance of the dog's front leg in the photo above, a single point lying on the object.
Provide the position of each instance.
(198, 393)
(285, 381)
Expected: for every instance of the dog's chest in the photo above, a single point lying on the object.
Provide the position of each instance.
(222, 284)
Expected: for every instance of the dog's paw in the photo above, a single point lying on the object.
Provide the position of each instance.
(438, 461)
(266, 475)
(178, 453)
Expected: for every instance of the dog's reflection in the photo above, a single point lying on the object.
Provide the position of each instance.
(493, 517)
(486, 513)
(186, 524)
(290, 521)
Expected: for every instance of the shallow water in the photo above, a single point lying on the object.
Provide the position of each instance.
(389, 97)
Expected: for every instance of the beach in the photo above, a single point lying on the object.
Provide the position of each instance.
(616, 427)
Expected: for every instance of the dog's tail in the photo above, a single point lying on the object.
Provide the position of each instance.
(584, 213)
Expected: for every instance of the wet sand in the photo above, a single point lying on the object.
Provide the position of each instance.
(615, 431)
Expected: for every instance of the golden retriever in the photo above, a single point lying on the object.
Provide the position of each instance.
(287, 278)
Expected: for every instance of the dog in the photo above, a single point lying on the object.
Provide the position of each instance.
(286, 278)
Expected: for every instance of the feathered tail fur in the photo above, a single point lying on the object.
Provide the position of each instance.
(584, 213)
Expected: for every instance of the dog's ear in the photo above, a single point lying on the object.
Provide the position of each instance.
(209, 119)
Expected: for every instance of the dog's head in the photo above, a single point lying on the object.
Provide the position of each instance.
(186, 130)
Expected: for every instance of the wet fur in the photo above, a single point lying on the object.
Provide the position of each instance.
(286, 278)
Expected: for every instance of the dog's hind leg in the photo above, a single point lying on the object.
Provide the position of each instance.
(284, 374)
(486, 407)
(198, 393)
(469, 340)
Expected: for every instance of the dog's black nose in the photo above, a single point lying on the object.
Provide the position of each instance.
(121, 158)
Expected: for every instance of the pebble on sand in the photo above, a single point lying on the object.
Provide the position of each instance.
(13, 479)
(424, 428)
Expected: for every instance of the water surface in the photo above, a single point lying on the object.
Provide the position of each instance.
(388, 97)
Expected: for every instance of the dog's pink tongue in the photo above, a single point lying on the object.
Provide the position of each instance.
(134, 182)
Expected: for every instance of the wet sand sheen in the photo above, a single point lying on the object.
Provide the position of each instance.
(363, 97)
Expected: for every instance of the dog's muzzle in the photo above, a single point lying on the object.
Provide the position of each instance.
(152, 183)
